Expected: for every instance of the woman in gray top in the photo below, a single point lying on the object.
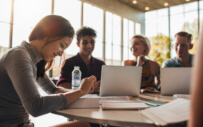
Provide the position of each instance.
(22, 67)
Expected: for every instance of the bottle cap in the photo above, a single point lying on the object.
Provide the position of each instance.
(76, 67)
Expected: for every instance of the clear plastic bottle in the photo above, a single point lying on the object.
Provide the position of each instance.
(76, 77)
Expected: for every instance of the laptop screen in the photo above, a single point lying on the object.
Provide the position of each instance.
(120, 80)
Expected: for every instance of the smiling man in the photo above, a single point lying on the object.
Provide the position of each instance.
(88, 64)
(182, 46)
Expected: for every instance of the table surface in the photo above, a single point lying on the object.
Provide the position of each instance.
(115, 117)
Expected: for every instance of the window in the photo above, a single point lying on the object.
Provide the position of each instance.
(182, 18)
(27, 14)
(5, 12)
(71, 10)
(113, 39)
(137, 28)
(128, 33)
(93, 17)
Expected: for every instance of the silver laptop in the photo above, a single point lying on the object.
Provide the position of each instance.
(175, 80)
(120, 80)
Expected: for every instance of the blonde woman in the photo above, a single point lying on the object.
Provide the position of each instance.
(140, 48)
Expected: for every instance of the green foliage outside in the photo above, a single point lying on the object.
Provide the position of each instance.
(192, 28)
(160, 49)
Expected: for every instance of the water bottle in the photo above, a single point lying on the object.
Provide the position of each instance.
(76, 77)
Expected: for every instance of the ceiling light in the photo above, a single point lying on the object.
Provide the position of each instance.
(146, 8)
(134, 1)
(187, 0)
(165, 4)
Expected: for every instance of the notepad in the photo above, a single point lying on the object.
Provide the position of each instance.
(123, 105)
(176, 111)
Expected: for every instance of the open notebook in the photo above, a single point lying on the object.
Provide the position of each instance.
(176, 111)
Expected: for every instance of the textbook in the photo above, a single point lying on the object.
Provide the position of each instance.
(174, 112)
(123, 105)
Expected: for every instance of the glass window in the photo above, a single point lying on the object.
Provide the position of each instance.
(26, 15)
(151, 24)
(128, 33)
(116, 37)
(201, 4)
(125, 40)
(134, 28)
(113, 39)
(162, 22)
(93, 17)
(4, 39)
(138, 28)
(190, 7)
(191, 26)
(176, 9)
(108, 37)
(71, 10)
(5, 10)
(162, 12)
(5, 13)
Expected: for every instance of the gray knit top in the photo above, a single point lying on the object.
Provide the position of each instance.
(19, 95)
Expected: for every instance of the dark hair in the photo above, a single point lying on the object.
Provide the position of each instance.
(185, 34)
(145, 42)
(85, 31)
(50, 26)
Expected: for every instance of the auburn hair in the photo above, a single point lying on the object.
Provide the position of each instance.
(50, 26)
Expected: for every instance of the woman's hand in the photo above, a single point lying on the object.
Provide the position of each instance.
(95, 87)
(140, 60)
(87, 84)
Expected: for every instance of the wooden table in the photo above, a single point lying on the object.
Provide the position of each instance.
(114, 117)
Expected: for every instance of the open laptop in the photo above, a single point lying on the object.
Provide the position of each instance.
(120, 80)
(175, 80)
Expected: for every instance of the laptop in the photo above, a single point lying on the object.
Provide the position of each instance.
(120, 80)
(175, 80)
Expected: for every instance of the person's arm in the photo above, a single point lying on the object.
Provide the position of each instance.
(155, 68)
(96, 86)
(20, 70)
(196, 110)
(85, 88)
(127, 63)
(66, 85)
(141, 60)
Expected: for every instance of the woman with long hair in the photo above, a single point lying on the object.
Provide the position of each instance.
(24, 66)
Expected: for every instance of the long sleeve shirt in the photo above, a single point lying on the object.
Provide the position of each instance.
(19, 95)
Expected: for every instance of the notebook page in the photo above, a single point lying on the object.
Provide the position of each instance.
(173, 112)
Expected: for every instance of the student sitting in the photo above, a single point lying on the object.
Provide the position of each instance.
(88, 64)
(182, 46)
(140, 47)
(24, 66)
